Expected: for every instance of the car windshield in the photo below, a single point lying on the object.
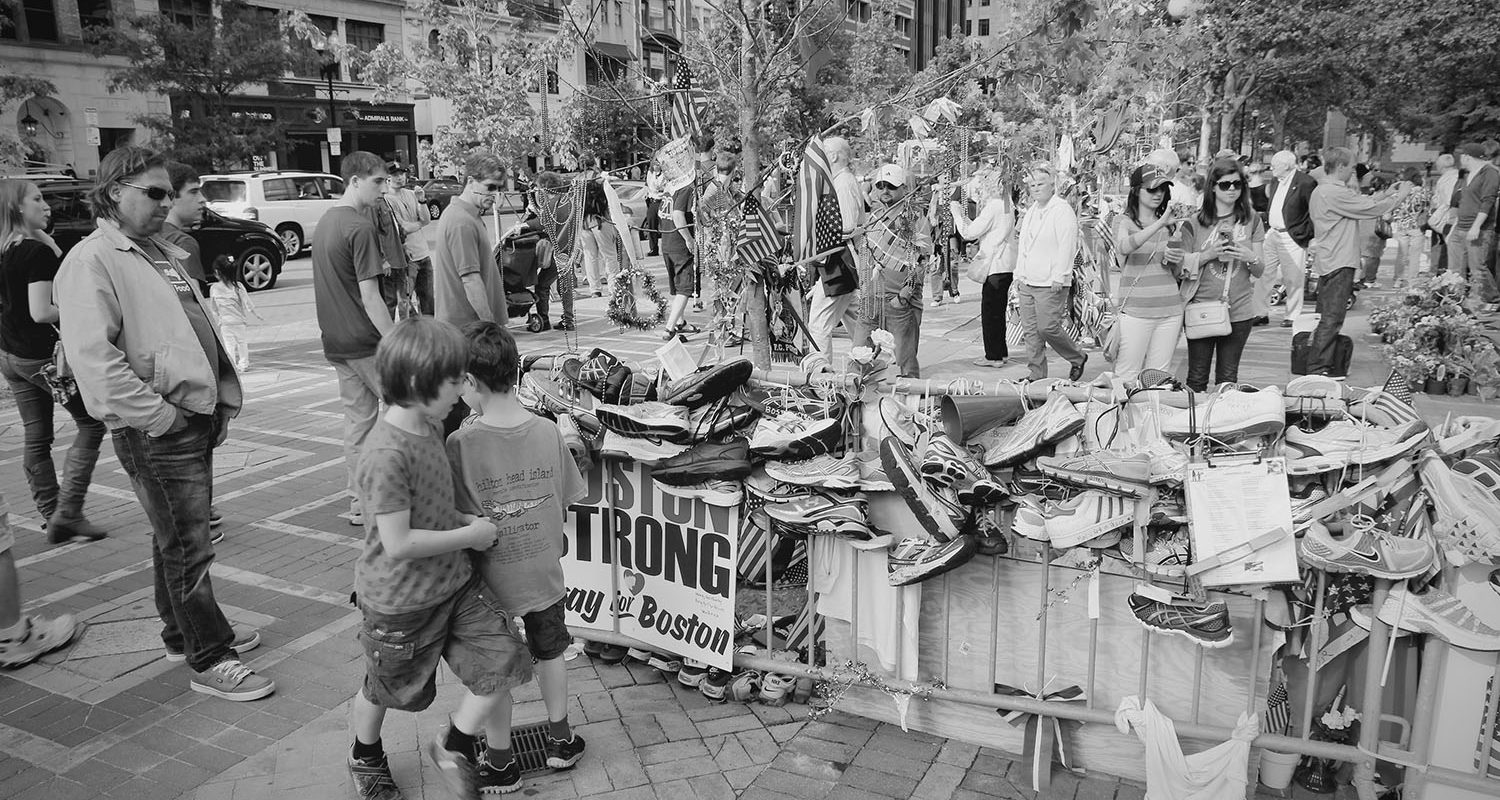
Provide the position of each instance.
(224, 191)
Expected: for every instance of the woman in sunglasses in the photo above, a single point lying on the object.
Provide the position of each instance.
(28, 335)
(1220, 245)
(1150, 305)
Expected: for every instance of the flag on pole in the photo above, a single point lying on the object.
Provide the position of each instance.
(684, 120)
(758, 239)
(812, 217)
(1397, 387)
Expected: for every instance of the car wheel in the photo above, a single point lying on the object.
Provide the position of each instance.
(291, 239)
(260, 268)
(433, 210)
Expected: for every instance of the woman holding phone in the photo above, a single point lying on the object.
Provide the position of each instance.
(1218, 258)
(1150, 305)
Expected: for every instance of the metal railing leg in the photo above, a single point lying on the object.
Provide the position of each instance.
(1434, 656)
(1373, 696)
(1314, 645)
(1044, 737)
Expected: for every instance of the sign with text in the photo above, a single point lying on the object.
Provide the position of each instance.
(652, 565)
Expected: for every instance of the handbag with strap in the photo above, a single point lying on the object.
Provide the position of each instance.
(57, 375)
(1205, 319)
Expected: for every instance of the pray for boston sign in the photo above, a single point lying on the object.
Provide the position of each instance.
(651, 565)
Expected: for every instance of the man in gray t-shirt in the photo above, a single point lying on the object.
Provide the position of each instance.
(467, 283)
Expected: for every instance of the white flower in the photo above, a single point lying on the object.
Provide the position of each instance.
(862, 355)
(883, 338)
(1332, 720)
(1350, 716)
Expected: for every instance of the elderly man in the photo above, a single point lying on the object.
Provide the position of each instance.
(1473, 234)
(900, 237)
(838, 277)
(1044, 274)
(1290, 231)
(150, 366)
(1440, 220)
(1337, 210)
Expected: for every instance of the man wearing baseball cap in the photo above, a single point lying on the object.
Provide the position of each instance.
(1473, 234)
(900, 237)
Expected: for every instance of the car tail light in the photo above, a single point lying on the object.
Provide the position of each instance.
(251, 212)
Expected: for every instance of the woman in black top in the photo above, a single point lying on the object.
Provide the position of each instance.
(28, 263)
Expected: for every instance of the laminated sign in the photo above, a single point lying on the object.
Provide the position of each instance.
(1240, 517)
(652, 565)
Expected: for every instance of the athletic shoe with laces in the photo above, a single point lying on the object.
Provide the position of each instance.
(728, 494)
(823, 470)
(718, 420)
(1480, 593)
(564, 754)
(645, 451)
(232, 680)
(372, 778)
(715, 685)
(949, 464)
(1167, 555)
(1227, 415)
(244, 642)
(706, 461)
(708, 384)
(1205, 625)
(1366, 550)
(825, 513)
(767, 489)
(1128, 474)
(1011, 444)
(1432, 612)
(692, 673)
(746, 686)
(490, 779)
(1343, 443)
(42, 636)
(649, 419)
(1168, 511)
(665, 663)
(1167, 463)
(901, 422)
(937, 509)
(1089, 515)
(1466, 524)
(1030, 519)
(792, 436)
(913, 560)
(1304, 500)
(776, 689)
(1316, 387)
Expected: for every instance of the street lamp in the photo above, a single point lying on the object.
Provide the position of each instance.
(28, 124)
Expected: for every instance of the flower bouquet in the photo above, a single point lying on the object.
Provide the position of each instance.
(1337, 724)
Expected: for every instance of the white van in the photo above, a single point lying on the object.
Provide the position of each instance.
(288, 201)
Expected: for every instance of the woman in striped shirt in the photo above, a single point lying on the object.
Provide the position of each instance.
(1150, 305)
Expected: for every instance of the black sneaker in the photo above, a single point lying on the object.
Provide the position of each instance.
(491, 780)
(215, 519)
(372, 778)
(563, 755)
(613, 654)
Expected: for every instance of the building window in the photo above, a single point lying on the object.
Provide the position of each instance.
(984, 27)
(93, 14)
(968, 26)
(435, 44)
(985, 3)
(553, 84)
(330, 27)
(36, 22)
(196, 14)
(363, 36)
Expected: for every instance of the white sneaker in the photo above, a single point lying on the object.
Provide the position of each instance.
(1087, 516)
(719, 493)
(642, 450)
(1342, 443)
(1227, 415)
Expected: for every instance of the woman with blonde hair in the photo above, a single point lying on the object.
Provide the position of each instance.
(994, 226)
(29, 260)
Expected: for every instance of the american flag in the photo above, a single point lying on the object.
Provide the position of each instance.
(1278, 710)
(758, 239)
(684, 111)
(817, 224)
(1397, 387)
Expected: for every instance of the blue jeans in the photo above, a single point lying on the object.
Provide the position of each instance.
(1334, 290)
(1225, 350)
(34, 402)
(905, 324)
(173, 479)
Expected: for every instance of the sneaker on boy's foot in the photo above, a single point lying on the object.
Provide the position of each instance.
(489, 779)
(372, 779)
(692, 672)
(232, 680)
(244, 642)
(456, 769)
(42, 637)
(563, 755)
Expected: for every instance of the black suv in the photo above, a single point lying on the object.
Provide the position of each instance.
(251, 242)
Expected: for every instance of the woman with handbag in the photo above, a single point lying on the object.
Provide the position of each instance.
(1218, 260)
(994, 226)
(28, 338)
(1149, 320)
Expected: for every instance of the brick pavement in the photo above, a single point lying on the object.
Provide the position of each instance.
(107, 717)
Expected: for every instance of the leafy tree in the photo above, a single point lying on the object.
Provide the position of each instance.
(15, 86)
(201, 70)
(602, 122)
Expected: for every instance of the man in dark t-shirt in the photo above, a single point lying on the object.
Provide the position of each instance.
(352, 315)
(186, 214)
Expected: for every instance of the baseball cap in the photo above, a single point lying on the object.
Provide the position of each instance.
(892, 174)
(1149, 176)
(1472, 150)
(396, 167)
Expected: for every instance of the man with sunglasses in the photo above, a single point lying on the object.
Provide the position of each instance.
(467, 281)
(149, 364)
(348, 267)
(900, 237)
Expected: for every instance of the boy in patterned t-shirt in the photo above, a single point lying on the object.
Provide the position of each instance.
(515, 468)
(415, 586)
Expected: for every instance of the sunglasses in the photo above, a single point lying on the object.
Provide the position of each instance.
(885, 187)
(492, 188)
(156, 193)
(1229, 186)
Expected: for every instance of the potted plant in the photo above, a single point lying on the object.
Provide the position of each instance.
(1458, 368)
(1485, 378)
(1435, 375)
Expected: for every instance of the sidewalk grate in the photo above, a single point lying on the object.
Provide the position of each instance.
(529, 745)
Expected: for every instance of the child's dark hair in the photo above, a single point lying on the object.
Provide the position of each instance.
(416, 357)
(493, 357)
(228, 270)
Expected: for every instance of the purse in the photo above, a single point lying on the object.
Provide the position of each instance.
(57, 375)
(1383, 228)
(1206, 319)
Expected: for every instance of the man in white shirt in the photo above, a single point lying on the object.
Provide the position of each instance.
(1044, 274)
(833, 294)
(1441, 218)
(1289, 232)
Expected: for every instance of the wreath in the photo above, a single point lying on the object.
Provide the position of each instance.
(624, 309)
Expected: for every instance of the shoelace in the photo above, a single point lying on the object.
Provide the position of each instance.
(232, 671)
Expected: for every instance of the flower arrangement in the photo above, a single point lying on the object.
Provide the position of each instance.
(1428, 334)
(868, 363)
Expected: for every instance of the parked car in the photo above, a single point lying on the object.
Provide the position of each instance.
(287, 201)
(437, 192)
(252, 243)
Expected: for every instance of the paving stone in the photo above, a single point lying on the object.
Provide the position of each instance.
(890, 762)
(758, 745)
(715, 711)
(826, 750)
(677, 725)
(711, 787)
(242, 742)
(624, 770)
(671, 751)
(211, 758)
(687, 768)
(744, 776)
(643, 730)
(177, 774)
(993, 785)
(758, 793)
(729, 754)
(881, 783)
(598, 706)
(842, 734)
(902, 744)
(1129, 791)
(94, 773)
(959, 754)
(791, 784)
(131, 757)
(719, 727)
(850, 720)
(990, 765)
(1096, 789)
(167, 742)
(785, 731)
(590, 777)
(1064, 785)
(939, 782)
(807, 766)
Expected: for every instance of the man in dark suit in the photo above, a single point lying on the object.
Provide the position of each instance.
(1288, 233)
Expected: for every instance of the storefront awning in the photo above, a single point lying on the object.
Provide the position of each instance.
(618, 52)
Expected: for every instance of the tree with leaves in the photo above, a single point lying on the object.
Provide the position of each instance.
(202, 71)
(15, 86)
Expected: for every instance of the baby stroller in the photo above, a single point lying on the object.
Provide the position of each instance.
(520, 259)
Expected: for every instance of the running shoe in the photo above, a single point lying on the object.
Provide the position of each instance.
(645, 451)
(1365, 550)
(1107, 470)
(937, 509)
(1303, 502)
(767, 489)
(599, 373)
(1318, 387)
(1168, 511)
(746, 686)
(1342, 443)
(490, 779)
(1463, 434)
(823, 470)
(1467, 519)
(42, 635)
(792, 436)
(1228, 415)
(949, 464)
(708, 384)
(1433, 612)
(1379, 407)
(454, 767)
(825, 513)
(728, 494)
(1204, 625)
(692, 672)
(1087, 516)
(1167, 463)
(776, 689)
(372, 778)
(665, 663)
(718, 420)
(704, 462)
(989, 538)
(1482, 596)
(1030, 519)
(715, 685)
(901, 422)
(563, 754)
(914, 560)
(1011, 444)
(1167, 555)
(649, 419)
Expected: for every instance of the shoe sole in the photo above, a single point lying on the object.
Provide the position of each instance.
(1327, 565)
(1092, 531)
(1210, 644)
(916, 573)
(1415, 616)
(254, 642)
(1360, 458)
(908, 482)
(1092, 480)
(1041, 444)
(801, 449)
(563, 763)
(238, 697)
